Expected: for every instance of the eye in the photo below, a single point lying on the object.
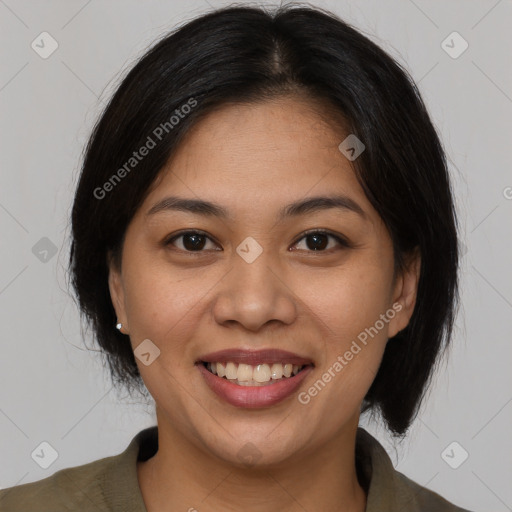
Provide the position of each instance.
(318, 240)
(192, 241)
(196, 241)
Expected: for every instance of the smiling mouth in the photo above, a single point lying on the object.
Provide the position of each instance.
(254, 375)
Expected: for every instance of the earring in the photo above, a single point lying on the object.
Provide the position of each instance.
(118, 326)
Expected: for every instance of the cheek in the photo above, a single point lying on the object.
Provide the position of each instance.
(352, 301)
(352, 347)
(160, 306)
(354, 335)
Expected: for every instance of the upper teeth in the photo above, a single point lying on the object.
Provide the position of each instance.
(259, 373)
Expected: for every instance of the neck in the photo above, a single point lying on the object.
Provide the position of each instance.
(180, 476)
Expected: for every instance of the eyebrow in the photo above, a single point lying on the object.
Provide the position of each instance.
(308, 205)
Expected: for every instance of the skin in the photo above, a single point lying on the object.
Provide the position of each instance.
(253, 160)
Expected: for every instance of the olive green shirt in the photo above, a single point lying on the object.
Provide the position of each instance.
(110, 484)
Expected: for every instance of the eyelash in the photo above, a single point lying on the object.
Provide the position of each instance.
(342, 241)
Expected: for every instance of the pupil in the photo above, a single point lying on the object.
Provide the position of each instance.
(197, 242)
(318, 242)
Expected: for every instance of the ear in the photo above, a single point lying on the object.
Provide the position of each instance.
(115, 285)
(405, 293)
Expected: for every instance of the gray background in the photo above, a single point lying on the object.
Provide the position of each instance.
(53, 389)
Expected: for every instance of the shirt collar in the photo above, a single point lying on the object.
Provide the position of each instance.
(386, 489)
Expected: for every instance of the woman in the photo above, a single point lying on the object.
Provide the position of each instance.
(264, 238)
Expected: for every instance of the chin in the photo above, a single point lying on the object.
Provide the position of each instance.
(247, 448)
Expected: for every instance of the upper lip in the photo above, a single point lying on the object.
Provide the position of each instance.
(253, 357)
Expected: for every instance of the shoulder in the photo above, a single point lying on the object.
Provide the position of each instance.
(388, 489)
(421, 498)
(103, 485)
(76, 488)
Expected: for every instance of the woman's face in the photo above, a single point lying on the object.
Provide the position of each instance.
(252, 281)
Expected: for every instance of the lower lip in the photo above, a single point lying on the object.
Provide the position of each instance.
(253, 397)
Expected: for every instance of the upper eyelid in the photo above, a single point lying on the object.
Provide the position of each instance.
(321, 232)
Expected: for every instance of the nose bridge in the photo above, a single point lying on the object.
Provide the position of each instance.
(253, 293)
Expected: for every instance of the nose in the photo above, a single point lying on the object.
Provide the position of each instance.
(255, 294)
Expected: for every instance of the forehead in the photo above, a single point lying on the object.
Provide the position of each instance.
(277, 131)
(268, 153)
